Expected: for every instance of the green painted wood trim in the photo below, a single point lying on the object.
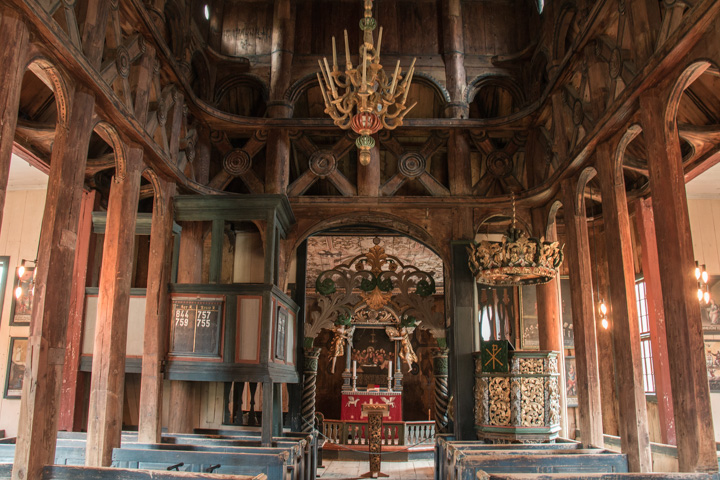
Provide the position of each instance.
(526, 430)
(142, 224)
(195, 208)
(234, 289)
(216, 248)
(134, 292)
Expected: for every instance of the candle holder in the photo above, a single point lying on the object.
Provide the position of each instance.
(390, 380)
(354, 383)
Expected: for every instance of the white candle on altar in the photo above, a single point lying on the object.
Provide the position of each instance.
(390, 370)
(354, 368)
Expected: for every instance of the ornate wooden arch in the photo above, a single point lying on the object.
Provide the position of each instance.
(691, 73)
(584, 178)
(552, 217)
(502, 81)
(158, 195)
(630, 134)
(379, 282)
(108, 132)
(59, 84)
(566, 16)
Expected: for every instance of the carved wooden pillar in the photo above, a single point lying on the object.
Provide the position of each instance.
(577, 254)
(645, 223)
(442, 392)
(14, 38)
(108, 369)
(76, 315)
(369, 175)
(309, 387)
(42, 385)
(634, 436)
(156, 307)
(550, 322)
(691, 396)
(53, 283)
(277, 175)
(189, 271)
(454, 56)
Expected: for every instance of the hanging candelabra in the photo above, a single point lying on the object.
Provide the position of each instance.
(363, 97)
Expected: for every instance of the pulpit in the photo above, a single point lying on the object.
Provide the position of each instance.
(521, 403)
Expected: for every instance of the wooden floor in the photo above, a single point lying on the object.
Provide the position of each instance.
(345, 470)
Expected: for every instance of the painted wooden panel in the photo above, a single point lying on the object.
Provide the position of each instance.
(136, 323)
(247, 28)
(248, 328)
(249, 258)
(705, 229)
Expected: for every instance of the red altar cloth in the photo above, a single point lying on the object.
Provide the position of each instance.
(352, 403)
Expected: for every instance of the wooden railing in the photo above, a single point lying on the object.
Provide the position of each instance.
(393, 433)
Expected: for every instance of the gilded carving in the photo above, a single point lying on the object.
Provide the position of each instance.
(533, 402)
(530, 365)
(499, 401)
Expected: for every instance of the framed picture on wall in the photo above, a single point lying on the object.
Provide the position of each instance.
(566, 310)
(280, 329)
(710, 312)
(4, 266)
(530, 339)
(21, 305)
(712, 360)
(571, 382)
(16, 367)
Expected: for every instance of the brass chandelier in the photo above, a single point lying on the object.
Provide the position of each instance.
(516, 260)
(365, 98)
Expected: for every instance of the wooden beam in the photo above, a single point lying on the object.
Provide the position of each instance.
(369, 175)
(156, 310)
(77, 313)
(454, 57)
(14, 37)
(645, 224)
(550, 322)
(37, 428)
(634, 436)
(107, 385)
(691, 395)
(577, 254)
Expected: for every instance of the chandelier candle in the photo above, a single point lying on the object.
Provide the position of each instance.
(364, 98)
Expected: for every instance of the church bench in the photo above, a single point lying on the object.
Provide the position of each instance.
(468, 465)
(454, 454)
(310, 438)
(56, 472)
(64, 455)
(296, 459)
(598, 476)
(275, 466)
(444, 443)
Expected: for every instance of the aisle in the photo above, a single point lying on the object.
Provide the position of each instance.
(412, 470)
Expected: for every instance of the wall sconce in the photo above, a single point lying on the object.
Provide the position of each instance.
(21, 271)
(701, 275)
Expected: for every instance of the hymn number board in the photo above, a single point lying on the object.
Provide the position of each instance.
(195, 326)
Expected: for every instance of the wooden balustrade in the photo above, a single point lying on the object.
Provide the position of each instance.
(394, 433)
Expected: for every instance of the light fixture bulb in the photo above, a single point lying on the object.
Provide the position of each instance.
(700, 294)
(704, 276)
(706, 297)
(697, 271)
(18, 292)
(603, 308)
(605, 323)
(207, 12)
(21, 271)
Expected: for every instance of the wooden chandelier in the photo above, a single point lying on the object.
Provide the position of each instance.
(364, 98)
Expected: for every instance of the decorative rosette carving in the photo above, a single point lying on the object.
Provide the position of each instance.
(323, 163)
(122, 61)
(412, 165)
(237, 162)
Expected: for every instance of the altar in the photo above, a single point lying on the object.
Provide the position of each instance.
(353, 401)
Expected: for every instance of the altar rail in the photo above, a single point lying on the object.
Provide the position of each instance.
(394, 433)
